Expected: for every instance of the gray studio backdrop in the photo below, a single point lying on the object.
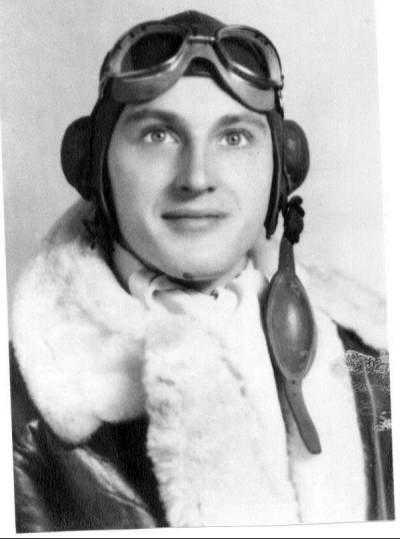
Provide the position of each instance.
(51, 51)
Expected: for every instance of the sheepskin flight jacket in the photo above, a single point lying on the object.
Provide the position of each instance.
(82, 460)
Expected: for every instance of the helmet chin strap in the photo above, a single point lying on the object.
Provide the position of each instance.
(289, 326)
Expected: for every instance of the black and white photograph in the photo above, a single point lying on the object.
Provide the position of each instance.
(195, 265)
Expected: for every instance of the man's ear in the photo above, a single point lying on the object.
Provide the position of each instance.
(296, 155)
(76, 155)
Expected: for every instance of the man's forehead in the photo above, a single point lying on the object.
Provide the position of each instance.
(194, 99)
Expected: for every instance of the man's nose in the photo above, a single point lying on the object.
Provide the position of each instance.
(195, 172)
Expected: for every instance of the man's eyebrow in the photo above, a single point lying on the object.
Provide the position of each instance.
(152, 114)
(256, 119)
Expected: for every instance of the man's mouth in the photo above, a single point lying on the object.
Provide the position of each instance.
(193, 219)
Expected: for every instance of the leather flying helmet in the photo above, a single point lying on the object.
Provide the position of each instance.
(149, 59)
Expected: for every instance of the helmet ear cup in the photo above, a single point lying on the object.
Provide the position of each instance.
(76, 155)
(291, 164)
(296, 155)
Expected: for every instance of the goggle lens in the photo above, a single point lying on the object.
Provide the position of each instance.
(245, 54)
(151, 50)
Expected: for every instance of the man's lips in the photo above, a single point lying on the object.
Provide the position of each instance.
(194, 219)
(194, 213)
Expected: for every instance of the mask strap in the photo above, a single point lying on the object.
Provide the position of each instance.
(290, 327)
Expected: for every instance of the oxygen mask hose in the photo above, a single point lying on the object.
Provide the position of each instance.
(290, 327)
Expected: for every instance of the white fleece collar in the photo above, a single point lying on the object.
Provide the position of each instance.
(90, 353)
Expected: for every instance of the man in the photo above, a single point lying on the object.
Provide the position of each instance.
(149, 388)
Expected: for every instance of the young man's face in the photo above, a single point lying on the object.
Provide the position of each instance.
(191, 174)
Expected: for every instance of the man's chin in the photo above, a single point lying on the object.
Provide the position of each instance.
(206, 277)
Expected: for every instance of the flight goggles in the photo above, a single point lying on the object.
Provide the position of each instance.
(151, 58)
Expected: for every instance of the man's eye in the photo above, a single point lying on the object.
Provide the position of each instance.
(236, 137)
(159, 136)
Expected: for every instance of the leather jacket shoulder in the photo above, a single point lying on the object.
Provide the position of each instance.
(105, 483)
